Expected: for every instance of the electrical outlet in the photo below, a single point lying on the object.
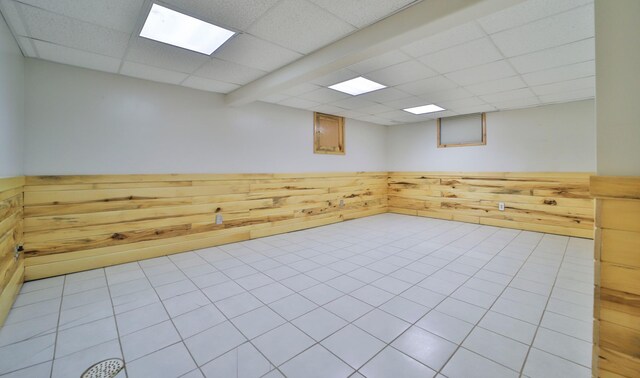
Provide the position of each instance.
(501, 206)
(218, 218)
(341, 203)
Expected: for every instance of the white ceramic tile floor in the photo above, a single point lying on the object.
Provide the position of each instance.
(387, 295)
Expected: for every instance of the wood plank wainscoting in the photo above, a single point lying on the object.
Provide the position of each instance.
(556, 203)
(11, 268)
(617, 276)
(75, 223)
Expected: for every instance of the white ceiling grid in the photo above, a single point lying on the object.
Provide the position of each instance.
(537, 52)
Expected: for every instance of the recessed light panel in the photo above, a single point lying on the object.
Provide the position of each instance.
(357, 86)
(177, 29)
(424, 109)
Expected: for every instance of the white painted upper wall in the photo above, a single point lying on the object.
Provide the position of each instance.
(11, 104)
(551, 138)
(87, 122)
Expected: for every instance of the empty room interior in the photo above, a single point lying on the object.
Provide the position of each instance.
(319, 188)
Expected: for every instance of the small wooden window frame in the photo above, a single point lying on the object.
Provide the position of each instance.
(333, 149)
(484, 134)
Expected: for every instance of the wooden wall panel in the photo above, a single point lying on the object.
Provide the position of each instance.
(11, 234)
(617, 292)
(74, 223)
(557, 203)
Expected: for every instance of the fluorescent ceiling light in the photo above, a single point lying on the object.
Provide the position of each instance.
(357, 86)
(177, 29)
(424, 109)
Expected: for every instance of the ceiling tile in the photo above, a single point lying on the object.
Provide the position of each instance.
(209, 85)
(508, 95)
(350, 114)
(352, 103)
(324, 95)
(236, 14)
(66, 55)
(485, 72)
(300, 26)
(549, 32)
(120, 15)
(371, 119)
(401, 73)
(446, 95)
(476, 109)
(298, 103)
(519, 103)
(444, 40)
(379, 61)
(363, 12)
(228, 72)
(463, 56)
(11, 13)
(274, 98)
(433, 84)
(525, 12)
(499, 85)
(581, 94)
(384, 95)
(402, 116)
(375, 109)
(408, 102)
(162, 55)
(335, 77)
(327, 109)
(300, 89)
(142, 71)
(563, 73)
(80, 35)
(457, 105)
(565, 86)
(558, 56)
(255, 53)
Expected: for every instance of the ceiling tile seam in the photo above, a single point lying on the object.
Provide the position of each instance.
(563, 66)
(140, 20)
(15, 35)
(248, 27)
(541, 18)
(64, 15)
(373, 22)
(70, 48)
(444, 48)
(506, 60)
(271, 9)
(563, 81)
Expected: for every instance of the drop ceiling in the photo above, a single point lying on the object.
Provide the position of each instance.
(533, 53)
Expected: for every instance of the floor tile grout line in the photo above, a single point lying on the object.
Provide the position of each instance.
(247, 340)
(535, 335)
(170, 319)
(55, 342)
(351, 323)
(115, 321)
(445, 297)
(390, 242)
(315, 343)
(489, 309)
(430, 310)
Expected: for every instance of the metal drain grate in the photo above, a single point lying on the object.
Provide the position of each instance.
(104, 369)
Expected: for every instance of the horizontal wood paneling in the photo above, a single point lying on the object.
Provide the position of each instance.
(75, 223)
(11, 234)
(557, 203)
(617, 292)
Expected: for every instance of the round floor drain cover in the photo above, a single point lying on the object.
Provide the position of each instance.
(104, 369)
